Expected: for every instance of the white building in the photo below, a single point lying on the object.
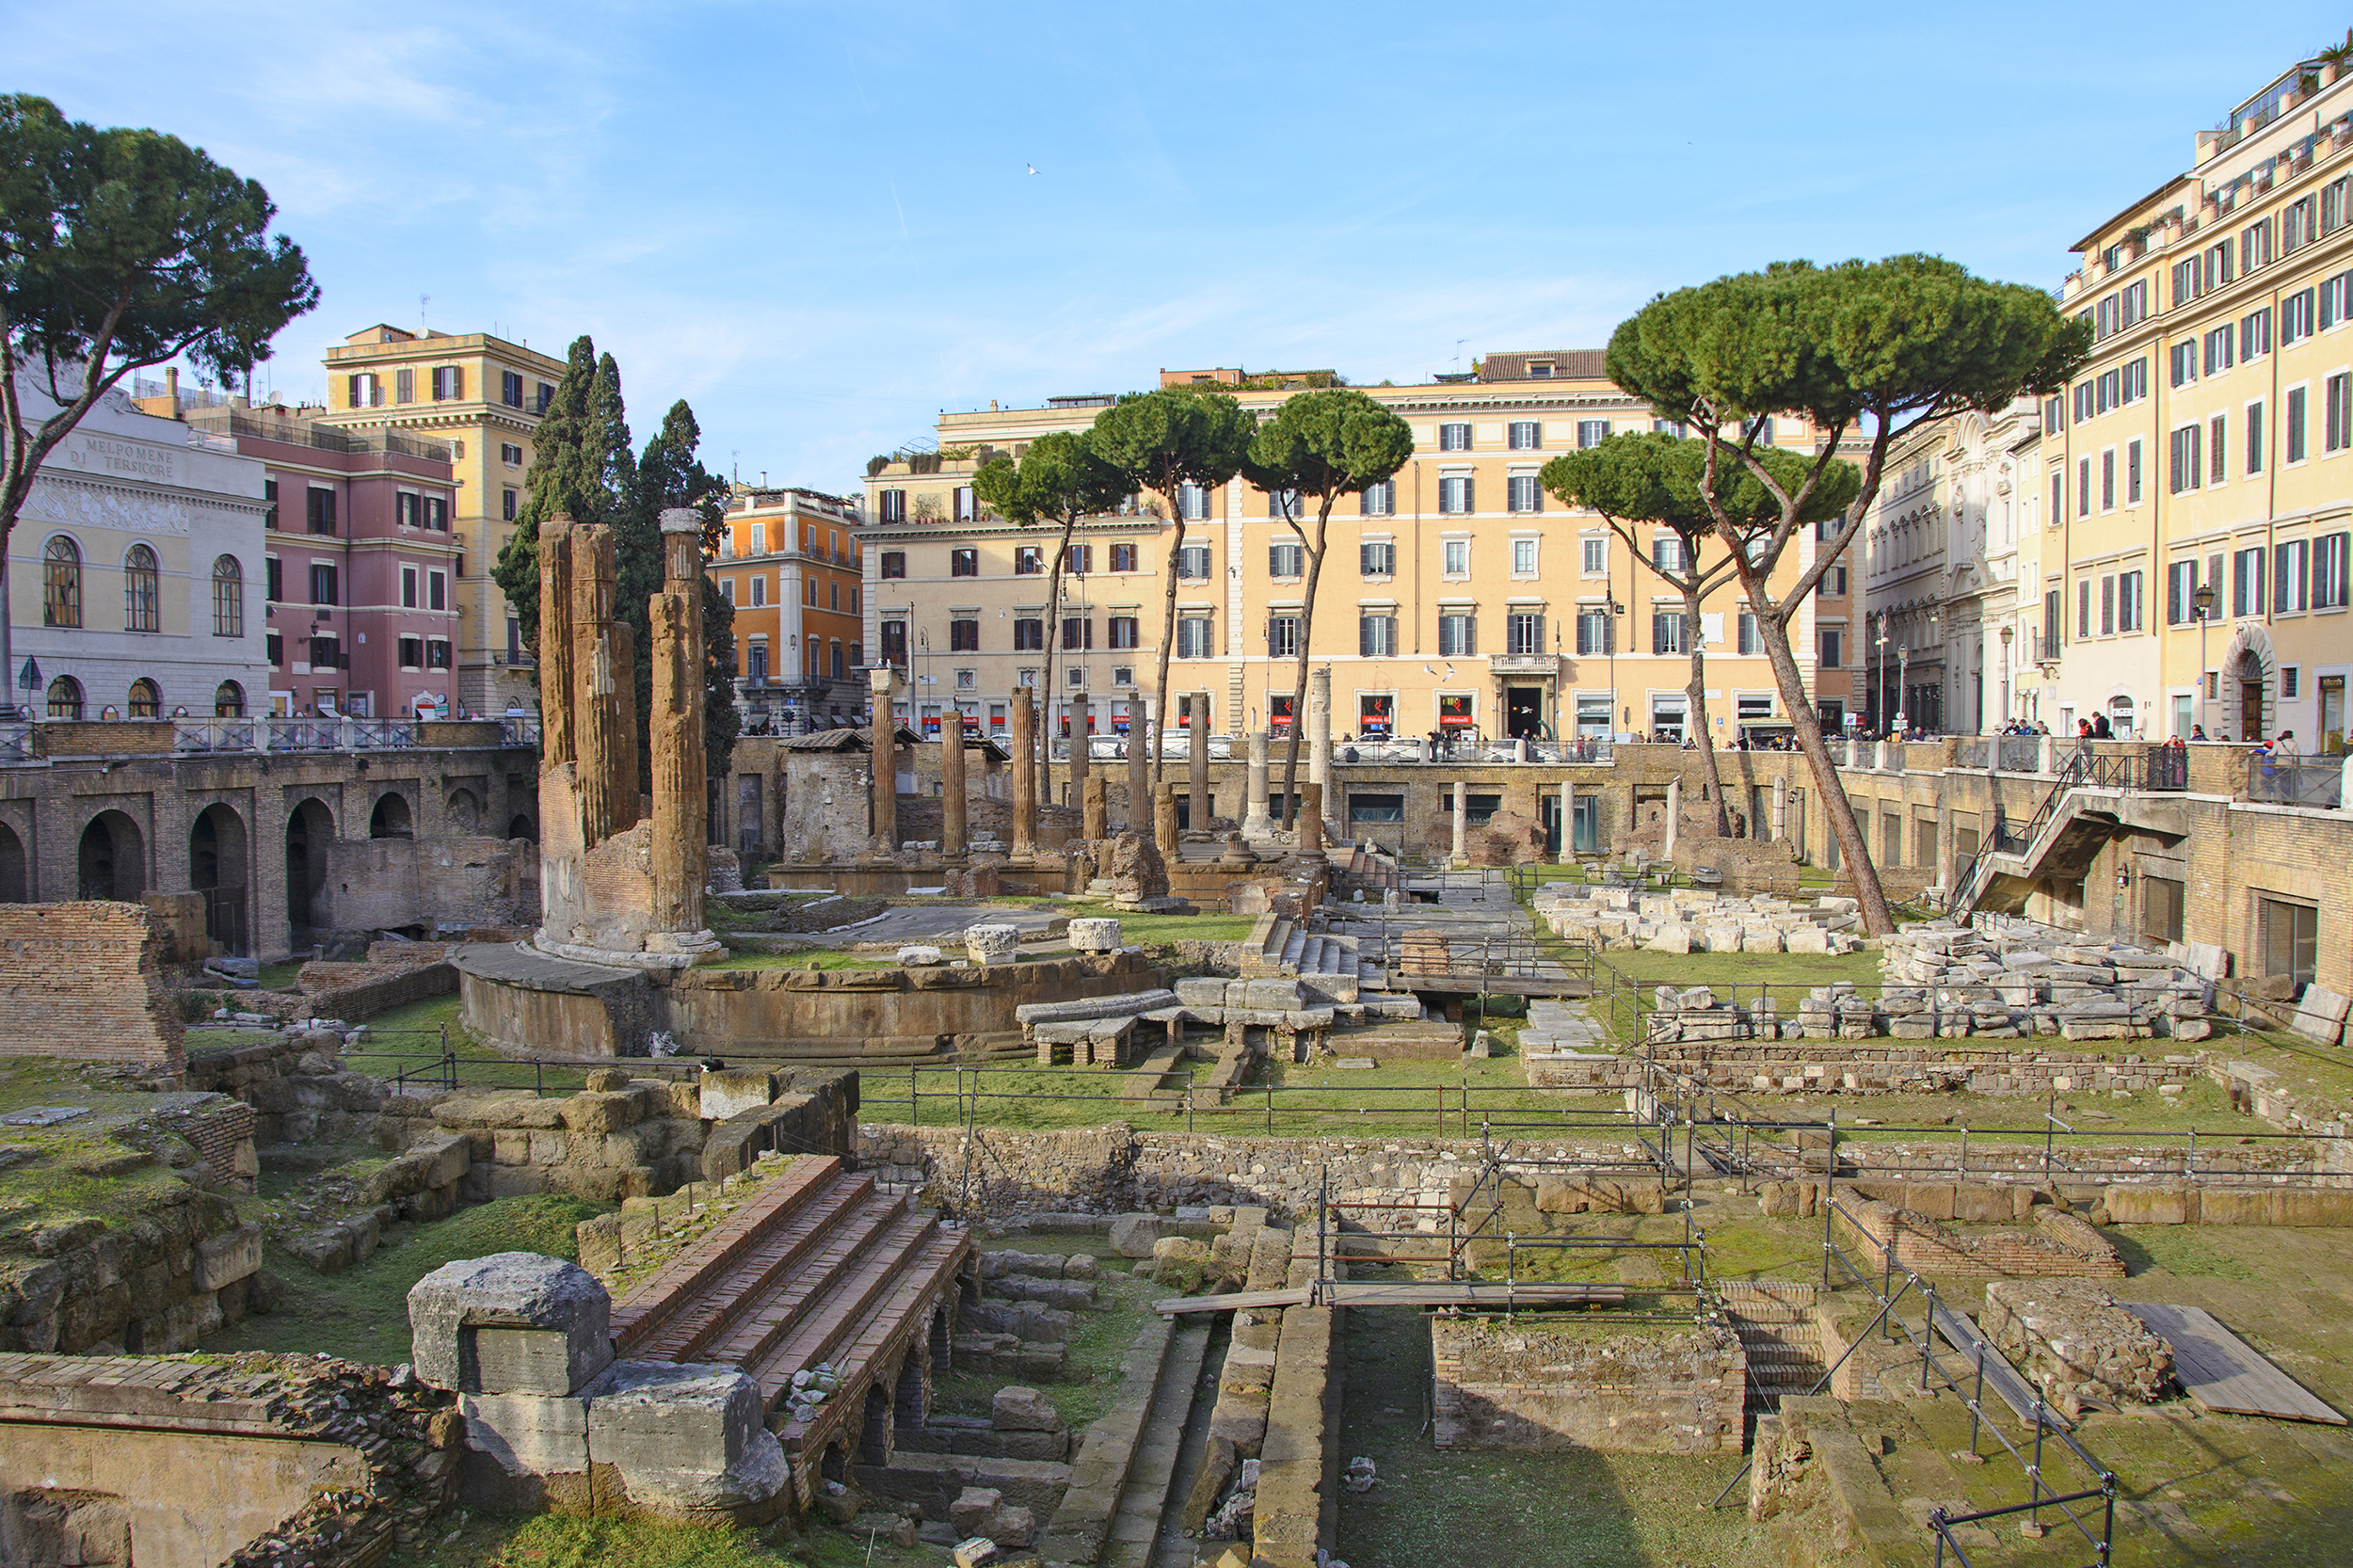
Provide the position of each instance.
(137, 582)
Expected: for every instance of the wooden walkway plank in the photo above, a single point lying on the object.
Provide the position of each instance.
(1423, 1294)
(2000, 1376)
(2224, 1373)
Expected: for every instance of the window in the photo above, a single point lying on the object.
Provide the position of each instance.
(1028, 561)
(1593, 635)
(1521, 493)
(2291, 681)
(408, 587)
(363, 391)
(1670, 632)
(1746, 638)
(1524, 435)
(2050, 624)
(65, 698)
(320, 511)
(2254, 334)
(2220, 343)
(507, 505)
(1376, 635)
(808, 588)
(2136, 380)
(404, 386)
(2297, 226)
(1282, 636)
(2181, 586)
(2336, 301)
(2254, 246)
(1592, 432)
(1376, 560)
(1832, 647)
(1192, 501)
(2216, 446)
(2182, 362)
(510, 389)
(270, 493)
(227, 597)
(2108, 480)
(449, 383)
(2336, 417)
(963, 634)
(1454, 494)
(325, 654)
(408, 510)
(1674, 427)
(1082, 559)
(1454, 438)
(1193, 563)
(1595, 557)
(1078, 633)
(323, 583)
(142, 588)
(2295, 317)
(2290, 580)
(274, 590)
(760, 588)
(1834, 579)
(1285, 560)
(1193, 639)
(1523, 632)
(964, 563)
(1454, 557)
(894, 563)
(2131, 473)
(1524, 557)
(2083, 489)
(1458, 635)
(2246, 582)
(1028, 634)
(2054, 415)
(411, 653)
(2290, 938)
(1124, 631)
(2129, 602)
(2083, 608)
(1378, 501)
(2254, 439)
(2292, 426)
(2182, 468)
(229, 701)
(2329, 582)
(437, 653)
(894, 643)
(1379, 807)
(542, 394)
(510, 454)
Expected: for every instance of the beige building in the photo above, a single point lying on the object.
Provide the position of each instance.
(2205, 454)
(482, 398)
(1456, 599)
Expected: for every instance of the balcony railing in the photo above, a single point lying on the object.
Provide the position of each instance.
(2318, 785)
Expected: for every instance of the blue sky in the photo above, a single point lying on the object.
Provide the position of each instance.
(815, 223)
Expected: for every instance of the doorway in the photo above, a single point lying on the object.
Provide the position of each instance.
(2250, 696)
(113, 858)
(1585, 825)
(310, 832)
(1523, 713)
(217, 871)
(1549, 814)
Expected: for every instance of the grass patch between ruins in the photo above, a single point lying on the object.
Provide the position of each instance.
(1098, 1339)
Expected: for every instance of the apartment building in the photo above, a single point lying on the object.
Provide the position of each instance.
(481, 396)
(2197, 484)
(1457, 597)
(789, 562)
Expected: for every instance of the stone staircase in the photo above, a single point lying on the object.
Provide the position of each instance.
(1123, 1497)
(1280, 948)
(1778, 1328)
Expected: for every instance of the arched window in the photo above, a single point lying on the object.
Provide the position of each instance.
(146, 701)
(227, 597)
(61, 584)
(65, 698)
(229, 702)
(140, 590)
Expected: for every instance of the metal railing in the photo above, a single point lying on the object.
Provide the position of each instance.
(2018, 753)
(2316, 785)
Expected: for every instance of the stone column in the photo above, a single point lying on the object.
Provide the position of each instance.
(953, 838)
(556, 641)
(1078, 749)
(1138, 763)
(1311, 822)
(2046, 756)
(1319, 725)
(1568, 823)
(1674, 819)
(680, 851)
(598, 681)
(1165, 818)
(883, 753)
(1024, 775)
(1461, 855)
(1095, 812)
(1197, 779)
(626, 793)
(1256, 822)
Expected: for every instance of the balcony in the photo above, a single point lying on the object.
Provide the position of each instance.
(1525, 665)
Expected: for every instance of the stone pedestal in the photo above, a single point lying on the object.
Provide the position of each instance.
(1198, 775)
(1024, 775)
(884, 754)
(992, 944)
(1255, 823)
(953, 837)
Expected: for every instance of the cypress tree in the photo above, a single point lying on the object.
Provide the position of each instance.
(566, 477)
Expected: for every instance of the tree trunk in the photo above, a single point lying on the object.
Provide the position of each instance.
(1697, 693)
(1306, 634)
(1168, 635)
(1854, 853)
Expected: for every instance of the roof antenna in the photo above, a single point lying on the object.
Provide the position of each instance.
(1458, 352)
(424, 300)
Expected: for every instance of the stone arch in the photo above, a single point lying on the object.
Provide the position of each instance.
(219, 868)
(390, 819)
(14, 885)
(835, 1465)
(112, 859)
(462, 812)
(911, 1391)
(874, 1435)
(310, 836)
(942, 1341)
(521, 826)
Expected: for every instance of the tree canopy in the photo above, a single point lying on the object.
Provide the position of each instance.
(1327, 444)
(1650, 476)
(1060, 478)
(580, 468)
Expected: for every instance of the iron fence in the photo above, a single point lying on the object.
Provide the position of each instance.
(2318, 785)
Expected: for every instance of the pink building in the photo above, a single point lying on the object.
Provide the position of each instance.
(362, 604)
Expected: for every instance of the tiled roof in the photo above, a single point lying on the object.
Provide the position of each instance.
(1568, 364)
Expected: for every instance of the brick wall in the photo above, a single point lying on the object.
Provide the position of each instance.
(354, 991)
(85, 981)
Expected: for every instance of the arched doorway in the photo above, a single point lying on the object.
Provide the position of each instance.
(463, 812)
(309, 834)
(113, 858)
(13, 884)
(217, 870)
(389, 820)
(524, 827)
(2247, 671)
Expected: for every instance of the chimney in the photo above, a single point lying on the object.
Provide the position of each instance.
(172, 388)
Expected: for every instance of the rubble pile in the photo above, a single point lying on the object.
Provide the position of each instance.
(1693, 919)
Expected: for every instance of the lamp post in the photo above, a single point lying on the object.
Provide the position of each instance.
(2203, 598)
(1880, 712)
(2008, 632)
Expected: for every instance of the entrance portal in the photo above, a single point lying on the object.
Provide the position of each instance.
(1523, 713)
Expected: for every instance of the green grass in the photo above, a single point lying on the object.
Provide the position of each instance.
(362, 1313)
(1098, 1339)
(813, 960)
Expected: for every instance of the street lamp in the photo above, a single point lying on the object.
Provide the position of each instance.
(2202, 599)
(2008, 632)
(1879, 678)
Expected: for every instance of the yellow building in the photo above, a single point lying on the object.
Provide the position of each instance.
(2205, 454)
(483, 396)
(1457, 598)
(789, 562)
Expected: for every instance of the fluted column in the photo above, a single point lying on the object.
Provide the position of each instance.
(597, 680)
(1198, 778)
(1320, 725)
(883, 750)
(1255, 823)
(953, 838)
(1462, 824)
(680, 851)
(1568, 823)
(1024, 775)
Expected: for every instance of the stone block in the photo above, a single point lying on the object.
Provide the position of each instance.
(450, 1307)
(2320, 1015)
(223, 1260)
(685, 1437)
(1095, 935)
(975, 1510)
(1014, 1408)
(992, 944)
(1669, 938)
(1133, 1235)
(528, 1434)
(728, 1092)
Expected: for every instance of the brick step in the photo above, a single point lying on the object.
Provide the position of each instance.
(1136, 1524)
(850, 1291)
(713, 1312)
(684, 1277)
(872, 1342)
(768, 1319)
